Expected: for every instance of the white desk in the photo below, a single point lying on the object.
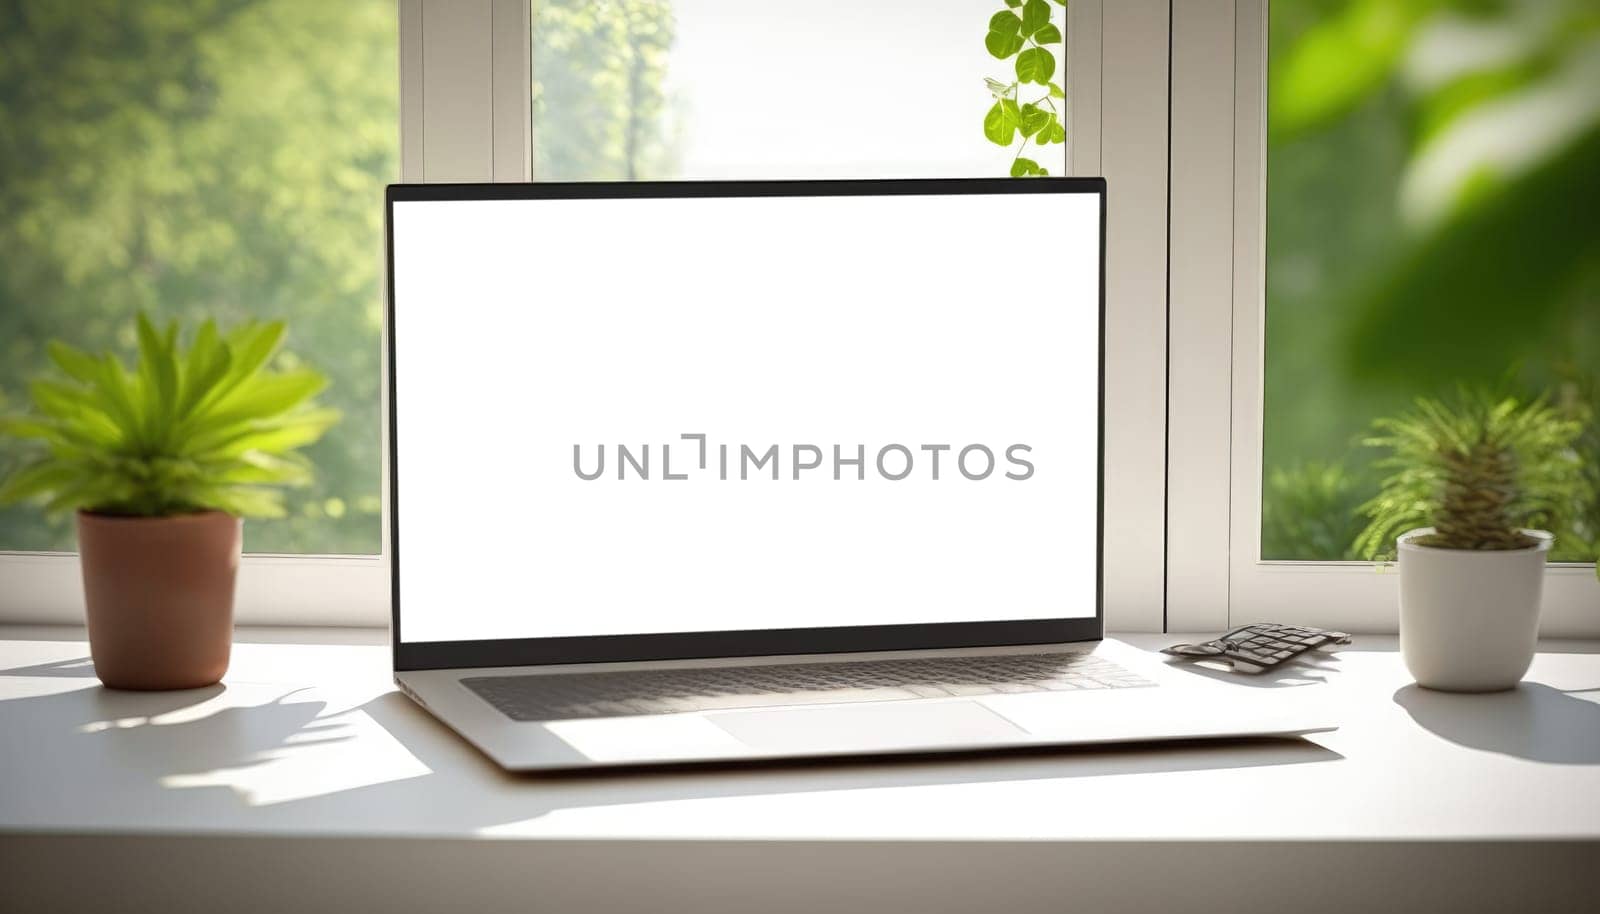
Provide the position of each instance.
(307, 783)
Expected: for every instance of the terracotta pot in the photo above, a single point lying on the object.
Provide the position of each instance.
(159, 594)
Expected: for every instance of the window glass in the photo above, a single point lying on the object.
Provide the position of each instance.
(203, 158)
(1433, 185)
(640, 89)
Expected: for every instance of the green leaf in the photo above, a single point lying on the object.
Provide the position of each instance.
(254, 343)
(1047, 34)
(1035, 16)
(1036, 65)
(263, 397)
(1021, 168)
(258, 468)
(270, 435)
(1336, 63)
(56, 399)
(1000, 124)
(158, 373)
(24, 427)
(998, 89)
(116, 391)
(244, 501)
(1004, 38)
(1032, 119)
(1057, 92)
(88, 431)
(79, 365)
(249, 347)
(74, 419)
(1487, 286)
(1053, 132)
(208, 363)
(1013, 3)
(36, 479)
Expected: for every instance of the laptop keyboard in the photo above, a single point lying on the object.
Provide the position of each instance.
(569, 696)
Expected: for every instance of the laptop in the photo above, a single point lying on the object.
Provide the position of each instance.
(713, 471)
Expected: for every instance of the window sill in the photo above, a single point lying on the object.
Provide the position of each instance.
(46, 588)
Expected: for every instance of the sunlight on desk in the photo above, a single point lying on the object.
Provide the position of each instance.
(333, 752)
(311, 739)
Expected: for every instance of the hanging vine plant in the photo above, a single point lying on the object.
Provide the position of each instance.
(1024, 31)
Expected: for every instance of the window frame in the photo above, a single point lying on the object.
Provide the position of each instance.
(1217, 362)
(1117, 66)
(46, 587)
(465, 69)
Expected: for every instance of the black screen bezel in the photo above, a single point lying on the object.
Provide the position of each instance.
(430, 655)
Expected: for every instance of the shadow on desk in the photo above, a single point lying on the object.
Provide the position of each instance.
(221, 758)
(1308, 669)
(76, 668)
(1532, 721)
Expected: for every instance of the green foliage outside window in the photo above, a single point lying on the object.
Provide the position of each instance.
(1434, 180)
(1311, 509)
(598, 98)
(1433, 213)
(203, 159)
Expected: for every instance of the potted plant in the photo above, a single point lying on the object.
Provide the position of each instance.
(1472, 482)
(161, 463)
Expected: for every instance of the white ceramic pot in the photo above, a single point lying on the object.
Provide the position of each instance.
(1468, 618)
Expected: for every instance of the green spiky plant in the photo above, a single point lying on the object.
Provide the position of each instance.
(1479, 469)
(187, 430)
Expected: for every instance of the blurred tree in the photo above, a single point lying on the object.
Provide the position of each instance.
(1433, 217)
(598, 98)
(200, 158)
(1310, 509)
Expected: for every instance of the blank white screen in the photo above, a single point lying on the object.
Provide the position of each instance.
(524, 328)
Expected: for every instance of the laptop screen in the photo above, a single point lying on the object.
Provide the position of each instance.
(643, 415)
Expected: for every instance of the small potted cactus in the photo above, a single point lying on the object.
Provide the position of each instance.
(1471, 483)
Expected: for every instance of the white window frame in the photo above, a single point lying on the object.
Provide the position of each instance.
(1218, 219)
(464, 117)
(46, 588)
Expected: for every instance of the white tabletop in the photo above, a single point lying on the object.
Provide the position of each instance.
(307, 738)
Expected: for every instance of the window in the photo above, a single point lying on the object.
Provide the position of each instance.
(467, 114)
(1405, 192)
(631, 89)
(702, 89)
(1430, 222)
(204, 158)
(247, 142)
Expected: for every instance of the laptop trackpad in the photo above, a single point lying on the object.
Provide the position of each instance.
(866, 727)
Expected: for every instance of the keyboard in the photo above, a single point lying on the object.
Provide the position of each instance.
(570, 696)
(1260, 647)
